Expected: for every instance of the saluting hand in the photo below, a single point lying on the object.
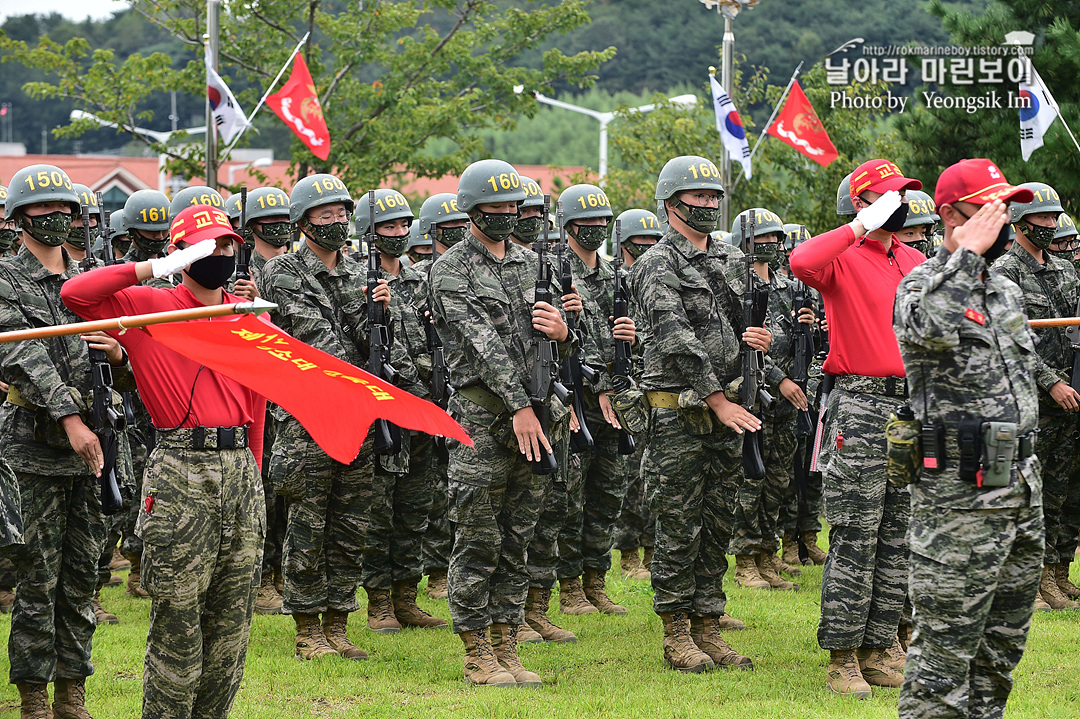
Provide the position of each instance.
(980, 232)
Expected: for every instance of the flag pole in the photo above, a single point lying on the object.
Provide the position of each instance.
(211, 39)
(775, 112)
(269, 89)
(1053, 103)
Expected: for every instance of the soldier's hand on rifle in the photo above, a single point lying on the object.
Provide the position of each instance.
(1065, 396)
(246, 289)
(794, 394)
(758, 338)
(624, 329)
(4, 387)
(382, 293)
(530, 436)
(575, 425)
(806, 316)
(605, 407)
(572, 302)
(547, 319)
(824, 323)
(102, 341)
(84, 442)
(732, 415)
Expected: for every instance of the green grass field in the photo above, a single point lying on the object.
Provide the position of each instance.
(615, 670)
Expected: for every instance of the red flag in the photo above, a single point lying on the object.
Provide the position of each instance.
(334, 401)
(798, 125)
(297, 104)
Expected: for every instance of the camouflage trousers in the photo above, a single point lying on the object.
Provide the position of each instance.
(634, 528)
(543, 555)
(327, 521)
(398, 518)
(864, 579)
(596, 485)
(1059, 452)
(11, 523)
(757, 506)
(202, 538)
(802, 514)
(275, 507)
(52, 622)
(438, 539)
(974, 575)
(691, 482)
(8, 578)
(494, 502)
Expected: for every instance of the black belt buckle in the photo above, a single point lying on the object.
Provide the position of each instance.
(226, 437)
(198, 438)
(890, 387)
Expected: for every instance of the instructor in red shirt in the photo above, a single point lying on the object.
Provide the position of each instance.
(857, 268)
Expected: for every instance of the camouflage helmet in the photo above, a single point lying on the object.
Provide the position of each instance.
(195, 195)
(1046, 200)
(794, 235)
(266, 202)
(314, 191)
(40, 183)
(580, 202)
(1065, 227)
(389, 205)
(117, 223)
(844, 204)
(87, 198)
(722, 236)
(534, 196)
(3, 196)
(687, 172)
(489, 181)
(765, 223)
(437, 209)
(921, 209)
(636, 223)
(232, 206)
(147, 210)
(416, 237)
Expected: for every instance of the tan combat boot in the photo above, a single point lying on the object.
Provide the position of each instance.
(780, 566)
(115, 580)
(768, 572)
(1041, 605)
(746, 573)
(335, 626)
(134, 582)
(528, 635)
(630, 563)
(844, 677)
(408, 612)
(536, 616)
(310, 641)
(437, 586)
(728, 623)
(680, 652)
(100, 614)
(646, 558)
(380, 612)
(572, 598)
(593, 583)
(69, 699)
(1067, 588)
(1051, 593)
(896, 655)
(7, 600)
(813, 551)
(504, 644)
(875, 671)
(268, 601)
(705, 631)
(790, 550)
(119, 562)
(481, 667)
(34, 701)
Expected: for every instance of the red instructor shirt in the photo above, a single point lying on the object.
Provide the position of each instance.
(164, 377)
(857, 279)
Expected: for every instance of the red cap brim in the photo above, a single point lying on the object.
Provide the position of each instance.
(895, 183)
(1000, 191)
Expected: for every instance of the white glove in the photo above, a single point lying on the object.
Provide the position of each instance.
(875, 215)
(171, 264)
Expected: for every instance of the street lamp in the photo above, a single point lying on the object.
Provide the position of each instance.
(260, 162)
(605, 118)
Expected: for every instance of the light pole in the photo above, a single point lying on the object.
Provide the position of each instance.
(260, 162)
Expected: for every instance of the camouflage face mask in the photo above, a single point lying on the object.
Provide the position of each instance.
(393, 246)
(590, 236)
(122, 246)
(51, 229)
(529, 229)
(450, 236)
(150, 247)
(766, 252)
(922, 246)
(636, 249)
(77, 238)
(702, 219)
(1041, 237)
(496, 225)
(7, 239)
(272, 233)
(330, 237)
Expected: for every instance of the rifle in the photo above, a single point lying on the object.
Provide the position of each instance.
(387, 435)
(622, 367)
(544, 377)
(804, 353)
(574, 370)
(243, 250)
(440, 373)
(753, 394)
(88, 262)
(108, 256)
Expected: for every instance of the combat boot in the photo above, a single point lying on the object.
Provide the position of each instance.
(536, 616)
(680, 652)
(408, 612)
(746, 573)
(119, 562)
(728, 623)
(646, 558)
(310, 641)
(593, 584)
(630, 563)
(268, 601)
(705, 631)
(768, 572)
(504, 644)
(844, 677)
(780, 565)
(528, 635)
(380, 612)
(69, 699)
(115, 580)
(34, 701)
(134, 582)
(896, 655)
(572, 598)
(335, 626)
(790, 550)
(7, 600)
(481, 667)
(1067, 588)
(102, 616)
(876, 671)
(813, 551)
(1051, 593)
(1040, 605)
(437, 586)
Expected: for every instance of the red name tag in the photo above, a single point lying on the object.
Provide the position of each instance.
(975, 316)
(929, 462)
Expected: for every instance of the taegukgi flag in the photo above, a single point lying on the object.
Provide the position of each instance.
(228, 117)
(730, 126)
(1036, 118)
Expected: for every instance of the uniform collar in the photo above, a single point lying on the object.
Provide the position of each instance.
(37, 272)
(513, 250)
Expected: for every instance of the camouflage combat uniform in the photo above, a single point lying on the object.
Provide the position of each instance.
(634, 527)
(976, 554)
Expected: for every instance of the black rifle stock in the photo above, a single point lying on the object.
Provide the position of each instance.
(623, 366)
(804, 354)
(574, 370)
(755, 306)
(243, 249)
(387, 434)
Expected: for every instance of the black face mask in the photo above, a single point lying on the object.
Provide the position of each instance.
(122, 246)
(997, 249)
(212, 272)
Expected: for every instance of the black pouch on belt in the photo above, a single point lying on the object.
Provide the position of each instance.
(969, 435)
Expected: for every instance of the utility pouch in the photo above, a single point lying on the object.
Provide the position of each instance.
(969, 437)
(999, 449)
(903, 433)
(933, 448)
(695, 417)
(632, 410)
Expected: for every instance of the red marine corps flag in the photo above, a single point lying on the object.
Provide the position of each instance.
(298, 106)
(798, 125)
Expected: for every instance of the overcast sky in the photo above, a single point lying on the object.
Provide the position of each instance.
(73, 9)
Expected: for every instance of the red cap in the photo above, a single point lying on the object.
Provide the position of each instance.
(201, 222)
(978, 182)
(880, 176)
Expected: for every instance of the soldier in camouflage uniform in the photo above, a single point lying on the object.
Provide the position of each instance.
(483, 298)
(9, 231)
(405, 483)
(8, 234)
(688, 287)
(1050, 289)
(976, 549)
